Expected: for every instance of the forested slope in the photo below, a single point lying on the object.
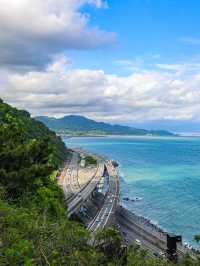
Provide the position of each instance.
(32, 129)
(80, 125)
(34, 228)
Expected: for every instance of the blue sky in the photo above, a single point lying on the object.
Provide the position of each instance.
(145, 29)
(134, 62)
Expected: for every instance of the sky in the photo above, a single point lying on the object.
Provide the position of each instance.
(133, 62)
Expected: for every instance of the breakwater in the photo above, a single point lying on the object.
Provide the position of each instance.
(134, 227)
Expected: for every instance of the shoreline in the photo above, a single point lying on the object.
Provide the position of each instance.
(144, 221)
(144, 137)
(121, 136)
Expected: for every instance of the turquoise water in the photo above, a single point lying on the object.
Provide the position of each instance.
(165, 172)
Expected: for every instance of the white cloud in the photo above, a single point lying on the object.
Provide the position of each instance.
(181, 68)
(142, 96)
(190, 40)
(32, 31)
(173, 67)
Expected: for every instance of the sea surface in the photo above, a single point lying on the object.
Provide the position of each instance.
(164, 172)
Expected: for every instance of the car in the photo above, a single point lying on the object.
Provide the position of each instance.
(118, 226)
(137, 242)
(162, 254)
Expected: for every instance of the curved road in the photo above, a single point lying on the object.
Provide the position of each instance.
(106, 213)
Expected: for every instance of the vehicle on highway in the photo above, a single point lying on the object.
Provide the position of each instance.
(187, 245)
(162, 254)
(118, 226)
(138, 242)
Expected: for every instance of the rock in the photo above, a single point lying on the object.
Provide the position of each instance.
(115, 164)
(126, 199)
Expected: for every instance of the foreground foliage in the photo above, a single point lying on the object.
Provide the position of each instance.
(34, 229)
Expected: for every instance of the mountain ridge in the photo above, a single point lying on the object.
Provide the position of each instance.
(80, 125)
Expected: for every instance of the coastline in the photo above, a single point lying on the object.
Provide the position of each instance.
(145, 222)
(121, 136)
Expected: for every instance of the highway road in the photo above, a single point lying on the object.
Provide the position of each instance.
(76, 194)
(105, 214)
(86, 191)
(70, 180)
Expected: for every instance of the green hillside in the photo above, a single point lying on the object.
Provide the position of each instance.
(32, 129)
(80, 125)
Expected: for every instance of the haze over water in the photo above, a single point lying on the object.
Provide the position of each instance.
(165, 172)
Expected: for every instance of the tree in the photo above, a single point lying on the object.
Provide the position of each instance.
(110, 242)
(24, 163)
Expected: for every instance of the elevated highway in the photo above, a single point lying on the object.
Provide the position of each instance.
(75, 202)
(106, 213)
(77, 195)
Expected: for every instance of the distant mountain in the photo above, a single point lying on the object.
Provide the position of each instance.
(80, 125)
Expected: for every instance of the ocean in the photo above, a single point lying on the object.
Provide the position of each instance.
(164, 172)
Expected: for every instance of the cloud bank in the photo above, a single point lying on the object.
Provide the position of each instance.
(144, 96)
(31, 32)
(33, 75)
